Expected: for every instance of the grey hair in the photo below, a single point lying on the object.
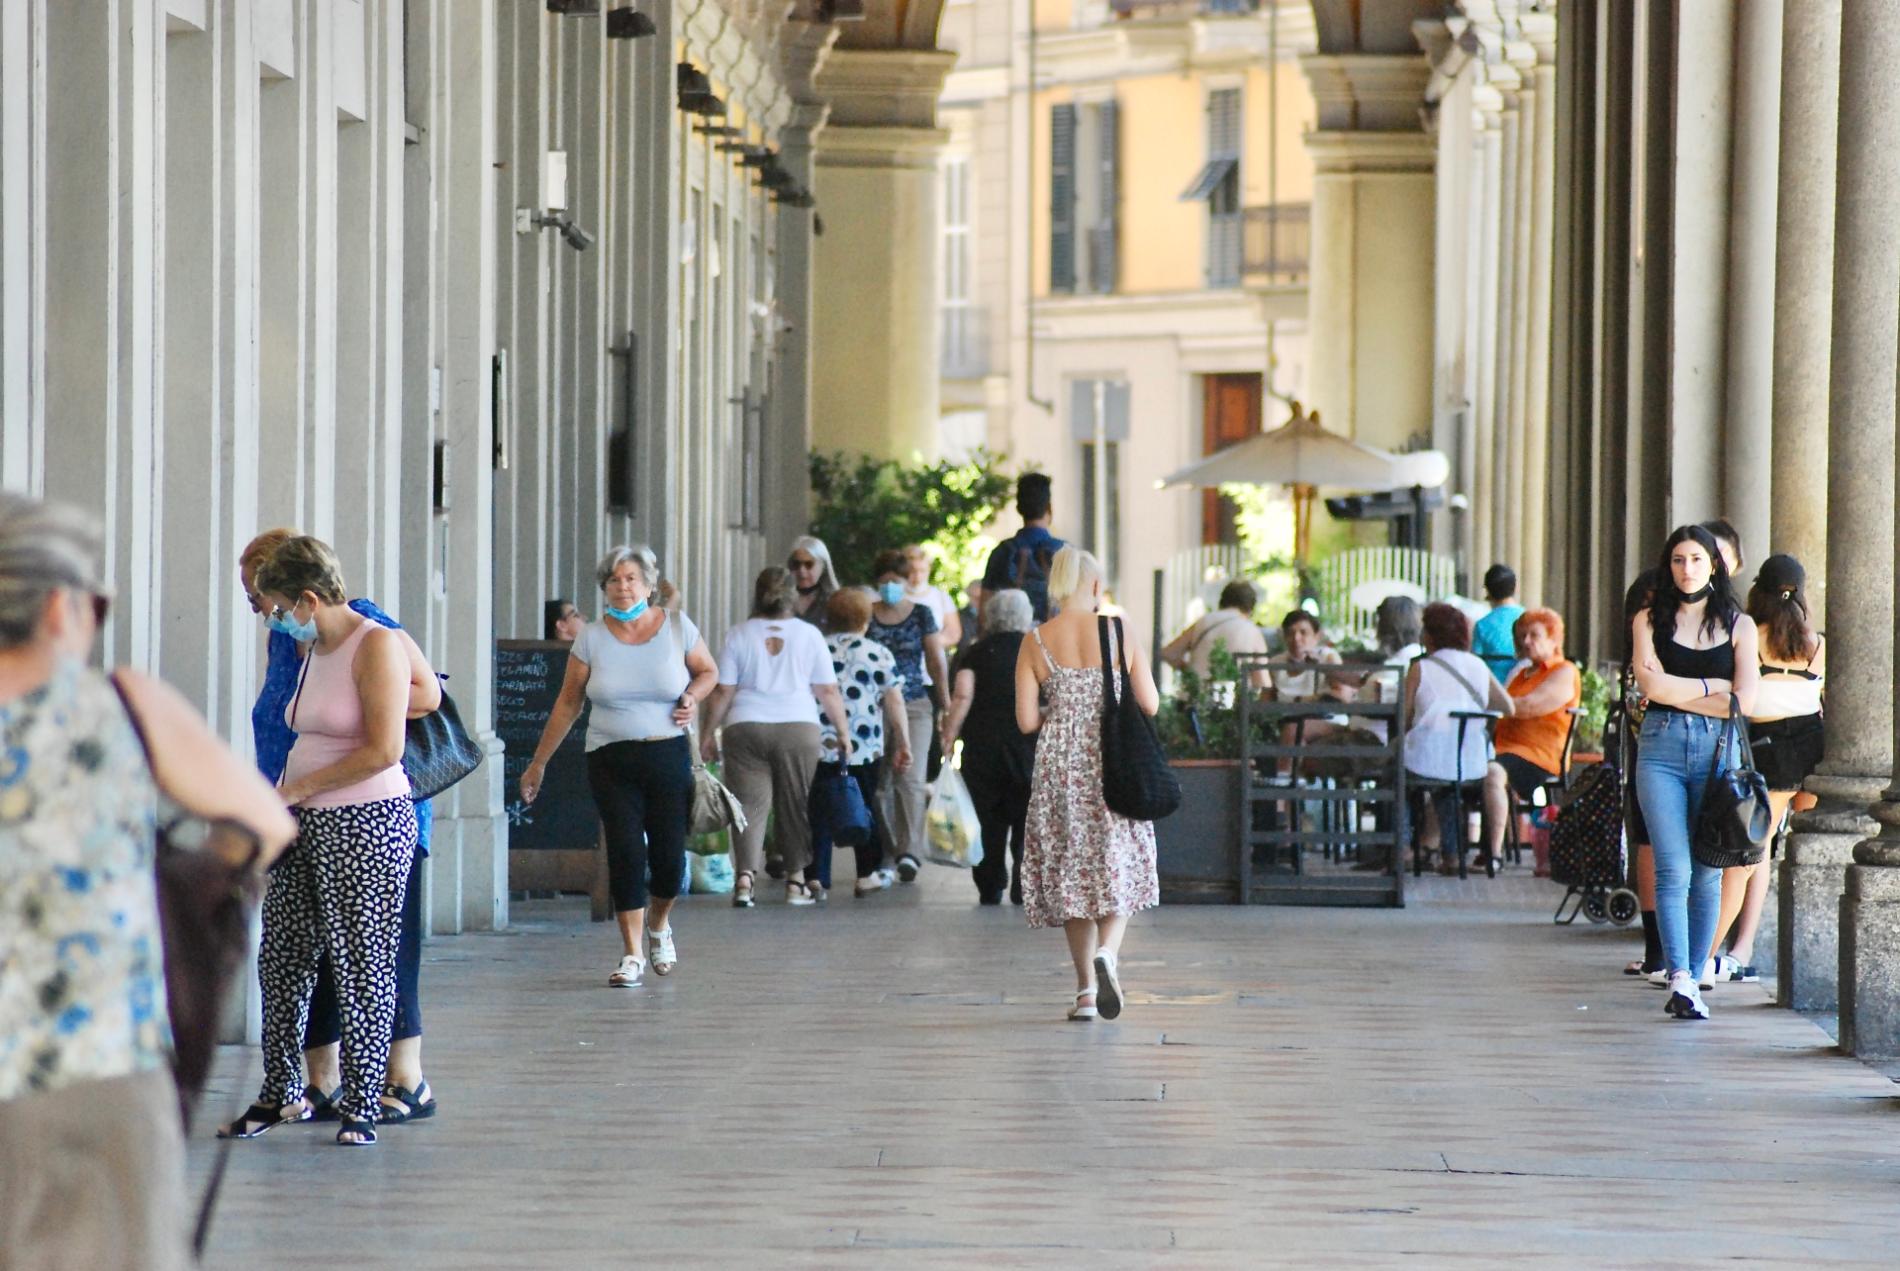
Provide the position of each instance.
(639, 553)
(44, 544)
(816, 549)
(1008, 610)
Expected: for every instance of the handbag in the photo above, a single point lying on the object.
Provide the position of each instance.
(439, 752)
(715, 808)
(1136, 780)
(1733, 827)
(837, 806)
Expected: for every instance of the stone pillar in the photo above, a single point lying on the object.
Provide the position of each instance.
(1370, 289)
(1804, 286)
(788, 503)
(1507, 493)
(1866, 337)
(1485, 423)
(875, 266)
(1747, 450)
(1541, 75)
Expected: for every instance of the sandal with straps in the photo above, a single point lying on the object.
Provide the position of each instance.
(410, 1105)
(742, 890)
(322, 1106)
(260, 1117)
(1083, 1014)
(364, 1130)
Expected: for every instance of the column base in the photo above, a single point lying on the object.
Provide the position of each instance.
(1808, 892)
(1870, 942)
(1768, 930)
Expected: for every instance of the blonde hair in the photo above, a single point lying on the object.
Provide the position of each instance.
(1071, 572)
(263, 547)
(303, 564)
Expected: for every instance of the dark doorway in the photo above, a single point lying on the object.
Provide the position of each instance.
(1230, 413)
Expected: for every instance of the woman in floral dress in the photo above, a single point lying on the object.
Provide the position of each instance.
(1085, 868)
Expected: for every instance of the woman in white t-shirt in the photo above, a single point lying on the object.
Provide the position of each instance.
(919, 588)
(1448, 680)
(644, 672)
(774, 671)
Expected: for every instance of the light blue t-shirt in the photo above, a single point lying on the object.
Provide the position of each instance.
(634, 687)
(1493, 640)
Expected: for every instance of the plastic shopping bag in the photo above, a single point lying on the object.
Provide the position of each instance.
(956, 838)
(711, 875)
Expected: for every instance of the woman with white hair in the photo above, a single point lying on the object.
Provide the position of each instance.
(809, 563)
(1085, 868)
(997, 757)
(92, 1151)
(645, 670)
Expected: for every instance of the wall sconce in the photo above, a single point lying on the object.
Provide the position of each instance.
(574, 8)
(841, 10)
(696, 96)
(554, 199)
(629, 24)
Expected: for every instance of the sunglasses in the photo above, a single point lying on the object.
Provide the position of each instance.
(803, 564)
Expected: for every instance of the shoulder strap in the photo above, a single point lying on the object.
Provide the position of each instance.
(674, 625)
(1480, 698)
(302, 675)
(1108, 662)
(1037, 633)
(138, 725)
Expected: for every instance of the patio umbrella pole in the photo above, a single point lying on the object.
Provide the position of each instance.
(1302, 522)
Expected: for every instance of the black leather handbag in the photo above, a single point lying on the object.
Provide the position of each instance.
(439, 752)
(1733, 827)
(1136, 780)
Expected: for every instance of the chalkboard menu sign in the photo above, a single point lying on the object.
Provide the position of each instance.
(528, 676)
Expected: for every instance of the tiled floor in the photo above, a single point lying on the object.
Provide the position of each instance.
(890, 1082)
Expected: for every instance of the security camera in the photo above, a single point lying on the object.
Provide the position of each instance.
(527, 221)
(577, 238)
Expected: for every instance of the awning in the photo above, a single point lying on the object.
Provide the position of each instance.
(1212, 174)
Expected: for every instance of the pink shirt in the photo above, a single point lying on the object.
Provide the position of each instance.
(327, 716)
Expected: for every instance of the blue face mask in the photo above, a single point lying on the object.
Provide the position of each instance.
(891, 593)
(286, 622)
(627, 615)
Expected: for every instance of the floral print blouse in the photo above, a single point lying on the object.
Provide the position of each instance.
(82, 991)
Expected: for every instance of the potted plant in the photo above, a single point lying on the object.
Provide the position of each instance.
(1198, 848)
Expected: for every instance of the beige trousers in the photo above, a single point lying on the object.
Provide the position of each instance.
(903, 798)
(770, 767)
(92, 1175)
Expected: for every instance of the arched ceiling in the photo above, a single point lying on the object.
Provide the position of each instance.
(893, 24)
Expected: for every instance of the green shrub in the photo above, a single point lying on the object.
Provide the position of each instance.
(862, 506)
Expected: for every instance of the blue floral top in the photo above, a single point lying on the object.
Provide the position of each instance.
(272, 738)
(82, 990)
(905, 640)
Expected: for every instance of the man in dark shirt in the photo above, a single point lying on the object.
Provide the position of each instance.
(1022, 560)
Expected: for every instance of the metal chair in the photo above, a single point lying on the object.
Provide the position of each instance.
(1458, 785)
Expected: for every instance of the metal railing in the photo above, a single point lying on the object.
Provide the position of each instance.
(966, 343)
(1276, 242)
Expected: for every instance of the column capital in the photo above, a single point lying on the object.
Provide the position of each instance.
(1368, 92)
(862, 146)
(884, 87)
(1339, 153)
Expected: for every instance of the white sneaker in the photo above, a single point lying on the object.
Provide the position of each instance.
(870, 886)
(907, 868)
(1707, 978)
(1685, 1000)
(1108, 988)
(627, 974)
(888, 874)
(660, 951)
(1658, 979)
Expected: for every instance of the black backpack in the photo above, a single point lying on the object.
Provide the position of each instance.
(1029, 573)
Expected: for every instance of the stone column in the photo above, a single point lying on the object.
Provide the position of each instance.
(1747, 451)
(1804, 286)
(1541, 31)
(1866, 337)
(874, 269)
(1370, 290)
(1507, 495)
(1486, 185)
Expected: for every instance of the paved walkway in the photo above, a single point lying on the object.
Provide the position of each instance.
(890, 1082)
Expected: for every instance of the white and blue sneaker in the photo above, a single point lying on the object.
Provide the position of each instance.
(1685, 999)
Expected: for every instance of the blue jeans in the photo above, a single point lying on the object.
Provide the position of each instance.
(1672, 770)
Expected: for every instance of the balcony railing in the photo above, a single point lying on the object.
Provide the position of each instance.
(966, 342)
(1276, 241)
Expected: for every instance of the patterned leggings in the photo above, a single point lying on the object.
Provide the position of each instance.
(339, 890)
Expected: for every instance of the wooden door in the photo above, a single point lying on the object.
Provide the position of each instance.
(1230, 413)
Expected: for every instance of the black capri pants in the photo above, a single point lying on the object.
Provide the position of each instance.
(644, 792)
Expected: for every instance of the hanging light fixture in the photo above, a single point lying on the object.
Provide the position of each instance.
(629, 24)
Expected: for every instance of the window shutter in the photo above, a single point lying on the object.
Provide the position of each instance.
(1062, 198)
(1223, 124)
(1105, 248)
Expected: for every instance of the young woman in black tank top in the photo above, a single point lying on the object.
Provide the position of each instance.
(1694, 648)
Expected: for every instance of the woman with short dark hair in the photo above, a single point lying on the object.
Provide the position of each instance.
(774, 671)
(1696, 652)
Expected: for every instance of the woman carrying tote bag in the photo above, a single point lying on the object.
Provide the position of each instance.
(1085, 868)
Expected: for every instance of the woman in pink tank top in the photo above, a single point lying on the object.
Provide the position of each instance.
(340, 888)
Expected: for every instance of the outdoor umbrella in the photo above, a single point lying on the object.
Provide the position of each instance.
(1304, 456)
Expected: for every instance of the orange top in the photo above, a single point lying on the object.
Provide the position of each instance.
(1538, 738)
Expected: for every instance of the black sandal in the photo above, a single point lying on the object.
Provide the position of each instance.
(416, 1105)
(264, 1116)
(322, 1106)
(349, 1125)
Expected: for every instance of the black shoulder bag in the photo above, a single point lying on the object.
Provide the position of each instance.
(1136, 780)
(1733, 827)
(438, 751)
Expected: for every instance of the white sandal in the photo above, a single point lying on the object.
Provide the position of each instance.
(1079, 1013)
(628, 974)
(660, 954)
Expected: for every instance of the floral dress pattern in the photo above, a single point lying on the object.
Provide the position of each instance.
(1080, 860)
(82, 991)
